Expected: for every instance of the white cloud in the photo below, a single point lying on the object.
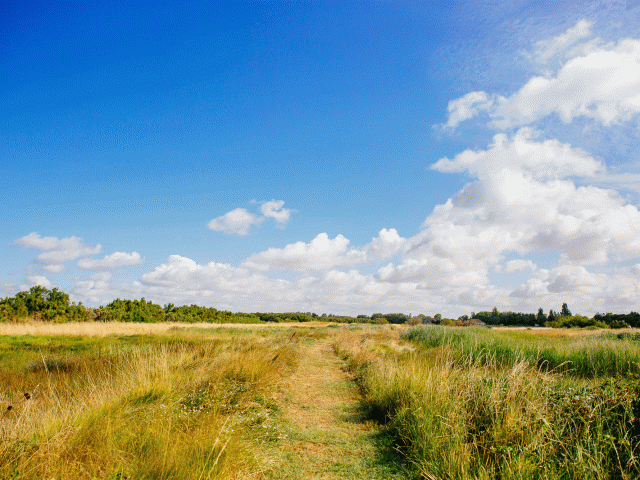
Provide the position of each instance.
(323, 253)
(38, 280)
(235, 222)
(597, 81)
(521, 201)
(516, 266)
(584, 291)
(545, 160)
(99, 285)
(320, 254)
(603, 84)
(388, 243)
(183, 280)
(273, 209)
(467, 107)
(568, 44)
(110, 262)
(57, 252)
(239, 221)
(185, 274)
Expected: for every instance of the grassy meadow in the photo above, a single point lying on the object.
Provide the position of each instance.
(466, 403)
(137, 401)
(186, 404)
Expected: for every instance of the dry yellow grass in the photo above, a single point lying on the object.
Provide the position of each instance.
(176, 411)
(553, 332)
(119, 328)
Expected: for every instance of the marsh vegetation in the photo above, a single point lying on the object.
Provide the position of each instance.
(317, 401)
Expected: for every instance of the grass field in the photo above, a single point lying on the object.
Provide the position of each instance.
(484, 403)
(171, 401)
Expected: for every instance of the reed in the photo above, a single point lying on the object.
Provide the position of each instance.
(603, 355)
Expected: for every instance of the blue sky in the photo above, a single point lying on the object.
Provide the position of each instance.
(345, 157)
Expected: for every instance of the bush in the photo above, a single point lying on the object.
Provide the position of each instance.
(618, 324)
(570, 321)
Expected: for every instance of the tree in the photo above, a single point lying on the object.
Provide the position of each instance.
(541, 318)
(565, 310)
(552, 316)
(437, 317)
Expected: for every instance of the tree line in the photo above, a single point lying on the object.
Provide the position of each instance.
(41, 304)
(562, 319)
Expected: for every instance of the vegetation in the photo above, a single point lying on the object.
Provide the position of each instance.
(461, 407)
(584, 356)
(40, 303)
(138, 406)
(259, 402)
(564, 319)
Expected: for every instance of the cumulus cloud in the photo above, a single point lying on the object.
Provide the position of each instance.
(467, 107)
(323, 253)
(273, 209)
(235, 222)
(545, 160)
(183, 279)
(522, 200)
(319, 254)
(239, 221)
(185, 274)
(57, 252)
(597, 81)
(588, 291)
(110, 262)
(603, 84)
(37, 280)
(516, 266)
(98, 285)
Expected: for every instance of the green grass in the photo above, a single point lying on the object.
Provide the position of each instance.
(470, 404)
(604, 355)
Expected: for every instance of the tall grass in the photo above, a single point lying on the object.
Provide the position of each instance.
(586, 356)
(171, 410)
(460, 411)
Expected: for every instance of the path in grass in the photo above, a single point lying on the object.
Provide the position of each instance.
(326, 436)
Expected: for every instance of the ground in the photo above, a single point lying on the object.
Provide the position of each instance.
(326, 436)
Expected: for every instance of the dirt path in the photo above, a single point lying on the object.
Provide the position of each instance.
(325, 436)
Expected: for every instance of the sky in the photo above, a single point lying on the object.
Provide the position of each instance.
(328, 157)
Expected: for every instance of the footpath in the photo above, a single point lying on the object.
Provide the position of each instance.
(325, 434)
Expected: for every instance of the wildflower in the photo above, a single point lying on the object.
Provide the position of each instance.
(9, 408)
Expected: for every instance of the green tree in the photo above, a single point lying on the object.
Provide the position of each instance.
(565, 310)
